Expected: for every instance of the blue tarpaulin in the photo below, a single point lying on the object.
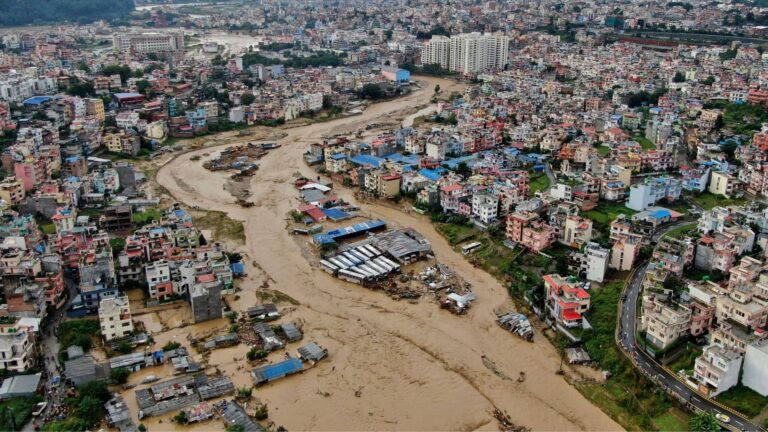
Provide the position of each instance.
(237, 268)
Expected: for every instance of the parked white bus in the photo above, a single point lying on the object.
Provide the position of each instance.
(471, 247)
(353, 277)
(329, 267)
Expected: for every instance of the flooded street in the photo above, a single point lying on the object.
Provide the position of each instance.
(392, 365)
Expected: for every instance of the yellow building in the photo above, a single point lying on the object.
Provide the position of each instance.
(723, 184)
(12, 191)
(113, 142)
(389, 185)
(95, 107)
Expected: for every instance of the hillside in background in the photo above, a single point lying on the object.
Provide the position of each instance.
(24, 12)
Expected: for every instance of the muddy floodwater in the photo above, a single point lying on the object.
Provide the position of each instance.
(393, 365)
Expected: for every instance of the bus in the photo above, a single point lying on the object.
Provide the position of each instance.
(471, 247)
(329, 267)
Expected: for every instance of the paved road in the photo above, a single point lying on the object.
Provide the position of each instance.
(646, 363)
(550, 175)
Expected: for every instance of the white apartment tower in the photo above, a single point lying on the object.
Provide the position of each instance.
(437, 51)
(478, 52)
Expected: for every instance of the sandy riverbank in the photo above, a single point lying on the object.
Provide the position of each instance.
(393, 365)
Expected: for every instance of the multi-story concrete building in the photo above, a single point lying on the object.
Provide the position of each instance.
(566, 301)
(717, 369)
(653, 190)
(576, 231)
(17, 348)
(437, 51)
(12, 191)
(158, 277)
(115, 318)
(205, 298)
(485, 207)
(596, 262)
(625, 249)
(724, 184)
(478, 52)
(145, 43)
(664, 323)
(755, 374)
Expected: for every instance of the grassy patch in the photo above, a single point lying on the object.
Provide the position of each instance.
(456, 233)
(146, 216)
(606, 212)
(48, 228)
(538, 183)
(222, 226)
(681, 231)
(744, 399)
(604, 151)
(20, 408)
(601, 396)
(644, 142)
(673, 420)
(708, 201)
(687, 360)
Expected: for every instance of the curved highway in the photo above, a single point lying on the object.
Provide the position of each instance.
(643, 361)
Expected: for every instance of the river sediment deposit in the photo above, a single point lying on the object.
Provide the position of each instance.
(392, 365)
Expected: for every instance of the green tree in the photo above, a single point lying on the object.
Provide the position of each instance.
(181, 418)
(704, 422)
(89, 409)
(437, 88)
(119, 375)
(247, 98)
(371, 91)
(122, 70)
(261, 413)
(170, 346)
(142, 86)
(124, 347)
(81, 89)
(678, 78)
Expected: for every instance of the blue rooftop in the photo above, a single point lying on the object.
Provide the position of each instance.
(338, 156)
(279, 370)
(37, 100)
(660, 213)
(368, 160)
(432, 174)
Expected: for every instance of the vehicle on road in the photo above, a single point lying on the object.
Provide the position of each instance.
(723, 418)
(39, 408)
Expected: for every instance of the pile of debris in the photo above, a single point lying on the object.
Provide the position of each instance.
(399, 288)
(451, 291)
(506, 424)
(240, 157)
(518, 324)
